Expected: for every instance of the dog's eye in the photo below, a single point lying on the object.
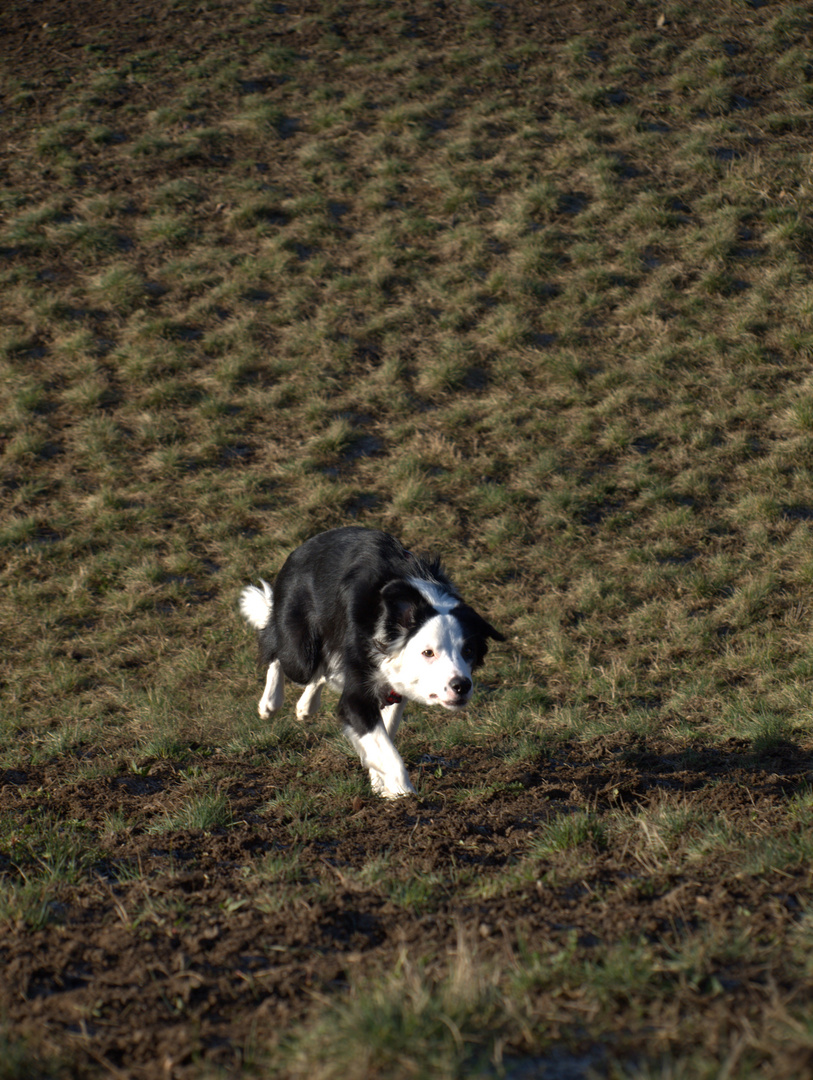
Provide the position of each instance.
(428, 654)
(468, 652)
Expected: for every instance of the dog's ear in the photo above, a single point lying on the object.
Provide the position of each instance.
(477, 624)
(402, 602)
(489, 631)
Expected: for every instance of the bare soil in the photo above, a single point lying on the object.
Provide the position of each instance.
(178, 964)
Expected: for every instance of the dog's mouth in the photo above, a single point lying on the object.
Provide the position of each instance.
(458, 702)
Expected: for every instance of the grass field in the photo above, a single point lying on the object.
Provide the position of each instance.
(527, 285)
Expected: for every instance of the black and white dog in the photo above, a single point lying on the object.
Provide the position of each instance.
(354, 610)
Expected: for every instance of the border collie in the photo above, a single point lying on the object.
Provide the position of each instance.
(354, 610)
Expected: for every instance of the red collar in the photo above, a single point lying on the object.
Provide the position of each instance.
(389, 697)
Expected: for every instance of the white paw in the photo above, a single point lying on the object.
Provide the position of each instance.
(390, 787)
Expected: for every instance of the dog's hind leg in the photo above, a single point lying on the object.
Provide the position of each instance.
(274, 690)
(311, 699)
(391, 715)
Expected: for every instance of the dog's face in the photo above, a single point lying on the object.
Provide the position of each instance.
(433, 644)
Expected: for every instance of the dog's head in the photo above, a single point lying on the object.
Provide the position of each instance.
(431, 642)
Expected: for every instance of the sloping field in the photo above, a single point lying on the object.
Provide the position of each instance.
(527, 285)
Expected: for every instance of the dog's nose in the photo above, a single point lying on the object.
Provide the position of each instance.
(460, 685)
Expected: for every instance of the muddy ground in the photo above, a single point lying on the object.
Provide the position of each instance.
(165, 954)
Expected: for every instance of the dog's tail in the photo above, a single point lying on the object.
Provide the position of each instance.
(256, 605)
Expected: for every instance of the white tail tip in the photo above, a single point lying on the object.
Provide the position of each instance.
(256, 604)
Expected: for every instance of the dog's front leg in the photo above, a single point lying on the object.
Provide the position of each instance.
(388, 775)
(391, 715)
(368, 734)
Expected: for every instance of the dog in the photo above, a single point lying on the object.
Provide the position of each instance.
(353, 610)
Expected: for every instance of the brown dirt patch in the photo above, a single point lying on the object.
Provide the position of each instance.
(177, 947)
